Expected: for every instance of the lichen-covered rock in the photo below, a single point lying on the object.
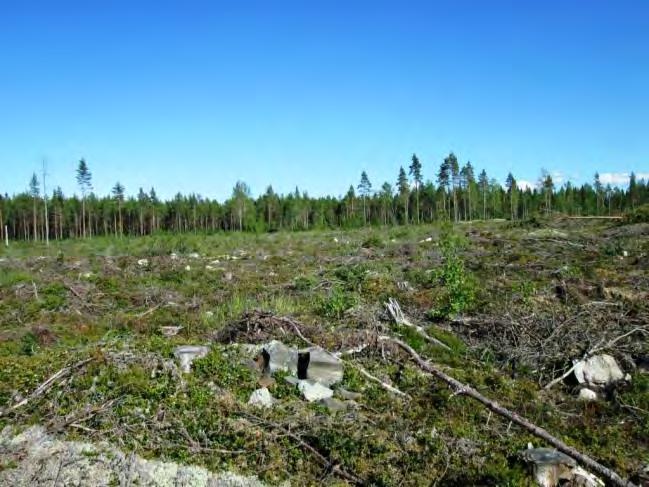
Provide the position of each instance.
(598, 371)
(314, 391)
(40, 459)
(186, 354)
(261, 397)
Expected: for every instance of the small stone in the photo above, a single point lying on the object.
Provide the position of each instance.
(348, 395)
(587, 395)
(334, 405)
(143, 262)
(194, 255)
(228, 276)
(173, 256)
(188, 268)
(314, 391)
(261, 397)
(186, 354)
(170, 331)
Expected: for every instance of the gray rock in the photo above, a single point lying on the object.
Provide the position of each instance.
(186, 354)
(551, 467)
(170, 331)
(587, 395)
(323, 367)
(314, 391)
(261, 397)
(282, 358)
(41, 459)
(598, 371)
(348, 395)
(334, 405)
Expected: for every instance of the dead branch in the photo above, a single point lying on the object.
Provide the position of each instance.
(384, 385)
(460, 388)
(400, 319)
(45, 386)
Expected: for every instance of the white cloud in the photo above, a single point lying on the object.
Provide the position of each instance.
(558, 177)
(524, 185)
(620, 178)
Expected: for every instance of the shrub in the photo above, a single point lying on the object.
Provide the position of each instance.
(639, 215)
(459, 290)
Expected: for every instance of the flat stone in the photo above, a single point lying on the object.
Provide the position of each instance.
(314, 391)
(261, 397)
(323, 367)
(186, 354)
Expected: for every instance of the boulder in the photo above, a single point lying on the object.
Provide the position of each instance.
(598, 371)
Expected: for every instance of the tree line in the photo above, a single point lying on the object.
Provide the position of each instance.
(455, 194)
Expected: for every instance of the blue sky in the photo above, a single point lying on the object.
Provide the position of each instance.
(191, 96)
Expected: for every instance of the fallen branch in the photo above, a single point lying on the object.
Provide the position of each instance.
(460, 388)
(384, 385)
(45, 386)
(400, 319)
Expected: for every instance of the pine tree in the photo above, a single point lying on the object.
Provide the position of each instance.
(469, 178)
(510, 183)
(118, 194)
(364, 189)
(34, 191)
(484, 184)
(404, 190)
(415, 172)
(598, 191)
(443, 179)
(84, 180)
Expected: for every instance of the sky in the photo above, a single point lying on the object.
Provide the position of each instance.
(192, 96)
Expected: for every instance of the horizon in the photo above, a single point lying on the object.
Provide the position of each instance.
(192, 99)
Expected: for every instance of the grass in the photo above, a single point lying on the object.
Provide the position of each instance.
(91, 298)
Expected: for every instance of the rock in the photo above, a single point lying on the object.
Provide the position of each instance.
(173, 256)
(170, 331)
(551, 467)
(261, 397)
(188, 268)
(143, 262)
(41, 459)
(334, 405)
(228, 276)
(194, 255)
(322, 366)
(314, 391)
(427, 239)
(186, 354)
(547, 233)
(587, 395)
(348, 395)
(598, 371)
(281, 357)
